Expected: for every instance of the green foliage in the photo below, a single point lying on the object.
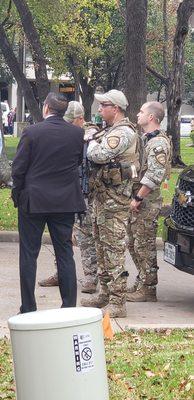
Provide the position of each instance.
(156, 43)
(76, 29)
(192, 137)
(11, 144)
(189, 65)
(8, 214)
(7, 386)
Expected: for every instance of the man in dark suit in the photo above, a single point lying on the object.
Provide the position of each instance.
(46, 190)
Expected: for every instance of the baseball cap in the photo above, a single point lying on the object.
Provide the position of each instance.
(74, 110)
(114, 96)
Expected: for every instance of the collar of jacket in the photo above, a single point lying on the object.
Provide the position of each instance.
(152, 135)
(54, 116)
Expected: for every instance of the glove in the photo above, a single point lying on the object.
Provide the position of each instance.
(15, 197)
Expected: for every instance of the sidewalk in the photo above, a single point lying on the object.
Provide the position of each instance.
(175, 306)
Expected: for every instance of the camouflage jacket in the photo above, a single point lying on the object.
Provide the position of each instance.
(116, 148)
(157, 159)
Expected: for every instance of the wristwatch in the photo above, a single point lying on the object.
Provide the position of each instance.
(138, 198)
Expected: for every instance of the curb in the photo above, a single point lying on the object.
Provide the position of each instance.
(119, 325)
(13, 237)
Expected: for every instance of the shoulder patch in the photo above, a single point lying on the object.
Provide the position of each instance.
(113, 142)
(158, 149)
(161, 158)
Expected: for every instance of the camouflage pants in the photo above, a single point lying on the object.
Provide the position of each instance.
(142, 231)
(87, 247)
(110, 232)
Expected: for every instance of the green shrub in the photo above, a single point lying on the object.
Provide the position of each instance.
(192, 136)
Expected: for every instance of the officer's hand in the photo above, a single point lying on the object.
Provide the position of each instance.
(135, 205)
(89, 134)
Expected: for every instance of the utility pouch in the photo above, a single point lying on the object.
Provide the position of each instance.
(114, 173)
(126, 172)
(105, 175)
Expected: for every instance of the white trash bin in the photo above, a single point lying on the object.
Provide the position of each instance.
(59, 355)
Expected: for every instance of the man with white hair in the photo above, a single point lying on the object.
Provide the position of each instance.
(75, 115)
(147, 202)
(115, 161)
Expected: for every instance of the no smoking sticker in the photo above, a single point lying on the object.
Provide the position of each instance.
(83, 352)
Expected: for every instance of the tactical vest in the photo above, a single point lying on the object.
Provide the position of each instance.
(121, 168)
(143, 156)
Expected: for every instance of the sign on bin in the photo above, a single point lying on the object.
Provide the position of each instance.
(83, 349)
(59, 355)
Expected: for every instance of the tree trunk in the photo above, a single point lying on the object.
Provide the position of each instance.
(87, 95)
(5, 169)
(38, 57)
(175, 88)
(22, 82)
(135, 61)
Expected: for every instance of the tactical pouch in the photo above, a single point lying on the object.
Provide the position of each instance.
(115, 176)
(114, 173)
(126, 171)
(91, 182)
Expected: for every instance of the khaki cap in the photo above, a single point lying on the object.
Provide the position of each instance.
(74, 110)
(114, 96)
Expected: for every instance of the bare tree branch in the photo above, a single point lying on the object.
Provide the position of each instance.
(21, 79)
(7, 13)
(121, 11)
(165, 41)
(157, 75)
(37, 51)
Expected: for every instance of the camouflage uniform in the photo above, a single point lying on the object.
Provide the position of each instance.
(84, 232)
(115, 159)
(88, 252)
(142, 228)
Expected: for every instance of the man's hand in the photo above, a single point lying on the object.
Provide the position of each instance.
(89, 133)
(135, 205)
(15, 197)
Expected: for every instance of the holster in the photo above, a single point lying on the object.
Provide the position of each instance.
(112, 174)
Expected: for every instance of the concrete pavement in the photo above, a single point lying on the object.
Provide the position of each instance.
(175, 306)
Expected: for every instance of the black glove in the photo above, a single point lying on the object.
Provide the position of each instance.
(15, 197)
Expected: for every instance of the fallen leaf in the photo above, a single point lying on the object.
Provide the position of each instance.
(167, 366)
(150, 374)
(188, 386)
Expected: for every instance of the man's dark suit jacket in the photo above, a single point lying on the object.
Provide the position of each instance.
(45, 168)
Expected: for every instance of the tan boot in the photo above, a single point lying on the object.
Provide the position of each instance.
(115, 310)
(96, 301)
(142, 294)
(51, 281)
(133, 288)
(88, 287)
(99, 301)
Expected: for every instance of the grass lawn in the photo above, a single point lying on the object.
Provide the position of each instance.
(11, 144)
(141, 366)
(8, 215)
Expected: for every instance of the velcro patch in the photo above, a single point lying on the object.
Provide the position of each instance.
(113, 142)
(161, 158)
(158, 149)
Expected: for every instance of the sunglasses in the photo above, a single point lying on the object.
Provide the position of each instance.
(103, 105)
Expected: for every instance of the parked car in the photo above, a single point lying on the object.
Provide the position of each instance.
(5, 111)
(185, 128)
(178, 232)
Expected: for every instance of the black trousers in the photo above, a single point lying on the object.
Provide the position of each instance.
(31, 228)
